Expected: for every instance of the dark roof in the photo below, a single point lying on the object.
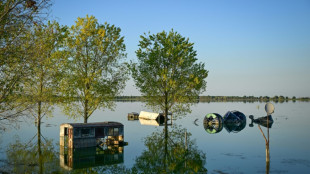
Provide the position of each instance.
(96, 124)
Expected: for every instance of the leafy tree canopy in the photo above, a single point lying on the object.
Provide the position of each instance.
(45, 62)
(95, 71)
(167, 72)
(16, 19)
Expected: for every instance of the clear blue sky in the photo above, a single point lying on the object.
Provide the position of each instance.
(250, 47)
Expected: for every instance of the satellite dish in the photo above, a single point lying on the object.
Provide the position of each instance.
(269, 108)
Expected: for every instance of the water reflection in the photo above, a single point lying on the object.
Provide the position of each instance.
(151, 122)
(170, 151)
(90, 157)
(32, 157)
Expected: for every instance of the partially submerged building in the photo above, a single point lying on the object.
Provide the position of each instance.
(78, 135)
(133, 116)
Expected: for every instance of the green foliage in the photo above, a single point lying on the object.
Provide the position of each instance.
(16, 18)
(95, 71)
(167, 73)
(45, 62)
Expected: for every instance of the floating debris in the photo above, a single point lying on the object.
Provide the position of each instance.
(133, 116)
(233, 121)
(213, 123)
(265, 121)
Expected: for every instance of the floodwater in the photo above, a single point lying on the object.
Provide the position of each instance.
(186, 147)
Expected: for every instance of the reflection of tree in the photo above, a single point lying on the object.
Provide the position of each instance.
(31, 157)
(170, 152)
(112, 169)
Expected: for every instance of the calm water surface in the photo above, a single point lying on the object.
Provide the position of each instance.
(222, 152)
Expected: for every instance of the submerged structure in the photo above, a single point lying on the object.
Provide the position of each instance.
(133, 116)
(213, 123)
(149, 122)
(149, 118)
(233, 121)
(80, 135)
(265, 121)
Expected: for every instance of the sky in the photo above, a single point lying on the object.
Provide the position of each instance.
(257, 47)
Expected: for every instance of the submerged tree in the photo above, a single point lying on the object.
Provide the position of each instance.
(95, 72)
(45, 62)
(167, 73)
(16, 18)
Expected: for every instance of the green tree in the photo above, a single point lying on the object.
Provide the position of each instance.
(96, 72)
(16, 18)
(45, 63)
(167, 73)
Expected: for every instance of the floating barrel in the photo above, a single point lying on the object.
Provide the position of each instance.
(234, 121)
(213, 123)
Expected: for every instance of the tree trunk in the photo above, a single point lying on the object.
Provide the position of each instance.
(86, 101)
(166, 147)
(86, 111)
(166, 109)
(39, 115)
(39, 149)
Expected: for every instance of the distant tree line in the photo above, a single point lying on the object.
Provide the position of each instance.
(208, 99)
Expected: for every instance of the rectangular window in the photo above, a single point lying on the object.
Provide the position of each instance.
(76, 132)
(99, 132)
(115, 131)
(66, 131)
(110, 131)
(85, 132)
